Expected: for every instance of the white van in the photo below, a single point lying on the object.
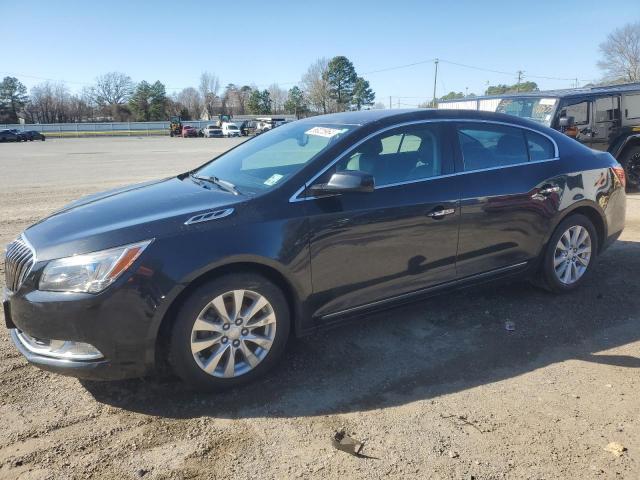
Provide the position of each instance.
(231, 130)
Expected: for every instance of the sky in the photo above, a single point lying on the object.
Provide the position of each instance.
(275, 41)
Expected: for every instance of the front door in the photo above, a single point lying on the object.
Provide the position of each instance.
(398, 239)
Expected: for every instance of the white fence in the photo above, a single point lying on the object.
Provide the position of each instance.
(118, 128)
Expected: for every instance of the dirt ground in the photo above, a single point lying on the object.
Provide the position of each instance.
(439, 389)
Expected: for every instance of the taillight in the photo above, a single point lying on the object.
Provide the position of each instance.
(619, 171)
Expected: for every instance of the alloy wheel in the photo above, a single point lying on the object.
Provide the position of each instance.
(572, 254)
(233, 333)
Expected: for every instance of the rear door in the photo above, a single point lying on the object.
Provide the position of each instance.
(400, 238)
(509, 195)
(605, 121)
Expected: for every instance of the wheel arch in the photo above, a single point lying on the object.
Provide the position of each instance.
(630, 141)
(241, 266)
(590, 210)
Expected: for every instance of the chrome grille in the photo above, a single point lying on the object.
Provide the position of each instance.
(18, 263)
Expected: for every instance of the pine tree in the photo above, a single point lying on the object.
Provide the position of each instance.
(341, 76)
(362, 94)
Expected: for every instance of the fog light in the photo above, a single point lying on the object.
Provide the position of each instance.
(60, 349)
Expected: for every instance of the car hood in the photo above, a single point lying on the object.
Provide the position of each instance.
(125, 215)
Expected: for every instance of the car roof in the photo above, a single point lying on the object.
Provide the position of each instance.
(391, 116)
(559, 93)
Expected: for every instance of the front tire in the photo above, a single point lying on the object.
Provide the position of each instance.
(229, 331)
(569, 255)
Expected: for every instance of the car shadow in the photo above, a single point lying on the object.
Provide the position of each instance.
(446, 344)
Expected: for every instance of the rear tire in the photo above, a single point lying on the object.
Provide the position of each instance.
(569, 255)
(631, 163)
(229, 332)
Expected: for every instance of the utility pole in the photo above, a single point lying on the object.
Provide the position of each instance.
(576, 86)
(520, 72)
(390, 106)
(435, 82)
(466, 92)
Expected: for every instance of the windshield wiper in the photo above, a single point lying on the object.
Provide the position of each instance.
(222, 184)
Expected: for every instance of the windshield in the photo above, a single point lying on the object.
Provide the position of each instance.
(269, 159)
(537, 109)
(232, 127)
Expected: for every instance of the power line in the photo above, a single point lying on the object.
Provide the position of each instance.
(370, 72)
(513, 74)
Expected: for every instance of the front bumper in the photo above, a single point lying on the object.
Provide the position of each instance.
(90, 370)
(121, 323)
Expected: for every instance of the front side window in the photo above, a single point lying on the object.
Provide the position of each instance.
(403, 154)
(579, 111)
(269, 159)
(489, 146)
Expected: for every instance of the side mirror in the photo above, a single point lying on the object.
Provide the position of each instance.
(344, 182)
(567, 122)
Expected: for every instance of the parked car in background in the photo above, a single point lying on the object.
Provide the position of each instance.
(604, 118)
(216, 267)
(267, 123)
(32, 135)
(248, 127)
(211, 131)
(20, 135)
(189, 131)
(8, 136)
(230, 130)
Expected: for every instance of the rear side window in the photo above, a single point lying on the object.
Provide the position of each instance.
(540, 147)
(607, 109)
(490, 146)
(631, 106)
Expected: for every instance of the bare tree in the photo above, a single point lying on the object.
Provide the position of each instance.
(209, 88)
(112, 92)
(230, 99)
(49, 103)
(243, 93)
(192, 101)
(621, 54)
(316, 87)
(278, 98)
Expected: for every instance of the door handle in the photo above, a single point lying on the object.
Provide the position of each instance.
(441, 212)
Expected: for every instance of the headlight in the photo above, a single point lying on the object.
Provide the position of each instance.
(91, 272)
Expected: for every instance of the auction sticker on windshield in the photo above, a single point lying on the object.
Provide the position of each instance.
(273, 179)
(325, 131)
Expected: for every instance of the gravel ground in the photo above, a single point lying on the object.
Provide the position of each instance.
(438, 389)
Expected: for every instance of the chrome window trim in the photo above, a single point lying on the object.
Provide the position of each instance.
(295, 197)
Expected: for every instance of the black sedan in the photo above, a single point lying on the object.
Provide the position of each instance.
(8, 136)
(32, 135)
(320, 219)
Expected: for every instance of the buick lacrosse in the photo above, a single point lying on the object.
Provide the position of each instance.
(211, 271)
